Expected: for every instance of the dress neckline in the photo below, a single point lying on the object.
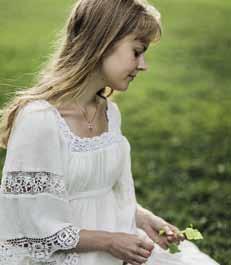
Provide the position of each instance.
(77, 137)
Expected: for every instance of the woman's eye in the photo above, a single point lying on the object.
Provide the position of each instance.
(137, 53)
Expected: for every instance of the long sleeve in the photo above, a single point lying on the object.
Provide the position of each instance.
(124, 187)
(35, 216)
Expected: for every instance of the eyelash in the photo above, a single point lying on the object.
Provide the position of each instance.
(137, 54)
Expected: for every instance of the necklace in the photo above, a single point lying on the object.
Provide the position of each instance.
(90, 122)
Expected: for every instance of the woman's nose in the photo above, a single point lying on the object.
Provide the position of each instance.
(142, 64)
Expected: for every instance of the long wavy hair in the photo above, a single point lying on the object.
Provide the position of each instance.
(92, 30)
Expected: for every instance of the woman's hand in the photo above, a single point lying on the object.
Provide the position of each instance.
(152, 224)
(132, 249)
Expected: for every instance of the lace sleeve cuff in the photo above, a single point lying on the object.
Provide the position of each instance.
(35, 216)
(40, 249)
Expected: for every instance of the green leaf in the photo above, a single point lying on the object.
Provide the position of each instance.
(173, 248)
(161, 232)
(192, 234)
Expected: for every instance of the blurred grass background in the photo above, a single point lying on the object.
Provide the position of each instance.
(176, 115)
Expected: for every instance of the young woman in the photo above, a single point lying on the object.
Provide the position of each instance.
(67, 194)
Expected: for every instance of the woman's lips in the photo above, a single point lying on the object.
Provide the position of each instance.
(132, 76)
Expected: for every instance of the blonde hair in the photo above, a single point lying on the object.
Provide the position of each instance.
(93, 28)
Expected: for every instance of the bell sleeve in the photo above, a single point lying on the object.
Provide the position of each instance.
(35, 215)
(124, 187)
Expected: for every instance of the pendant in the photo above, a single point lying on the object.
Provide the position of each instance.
(90, 126)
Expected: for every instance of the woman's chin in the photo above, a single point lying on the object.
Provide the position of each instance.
(121, 87)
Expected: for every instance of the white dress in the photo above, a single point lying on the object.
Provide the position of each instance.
(55, 183)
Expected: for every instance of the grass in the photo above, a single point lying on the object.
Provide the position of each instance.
(176, 115)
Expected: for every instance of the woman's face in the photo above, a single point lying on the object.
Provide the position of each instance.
(121, 66)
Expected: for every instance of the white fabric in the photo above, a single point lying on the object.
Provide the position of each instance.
(55, 183)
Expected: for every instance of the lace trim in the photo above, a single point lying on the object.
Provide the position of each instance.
(86, 144)
(15, 259)
(41, 249)
(71, 259)
(100, 142)
(20, 182)
(78, 144)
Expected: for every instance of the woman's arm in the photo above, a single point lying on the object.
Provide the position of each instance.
(152, 224)
(93, 241)
(140, 214)
(127, 247)
(143, 217)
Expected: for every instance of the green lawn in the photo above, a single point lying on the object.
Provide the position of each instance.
(176, 115)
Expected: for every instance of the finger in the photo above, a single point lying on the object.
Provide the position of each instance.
(160, 240)
(168, 231)
(144, 253)
(175, 241)
(179, 237)
(177, 232)
(163, 243)
(175, 236)
(147, 244)
(152, 233)
(131, 262)
(172, 238)
(139, 259)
